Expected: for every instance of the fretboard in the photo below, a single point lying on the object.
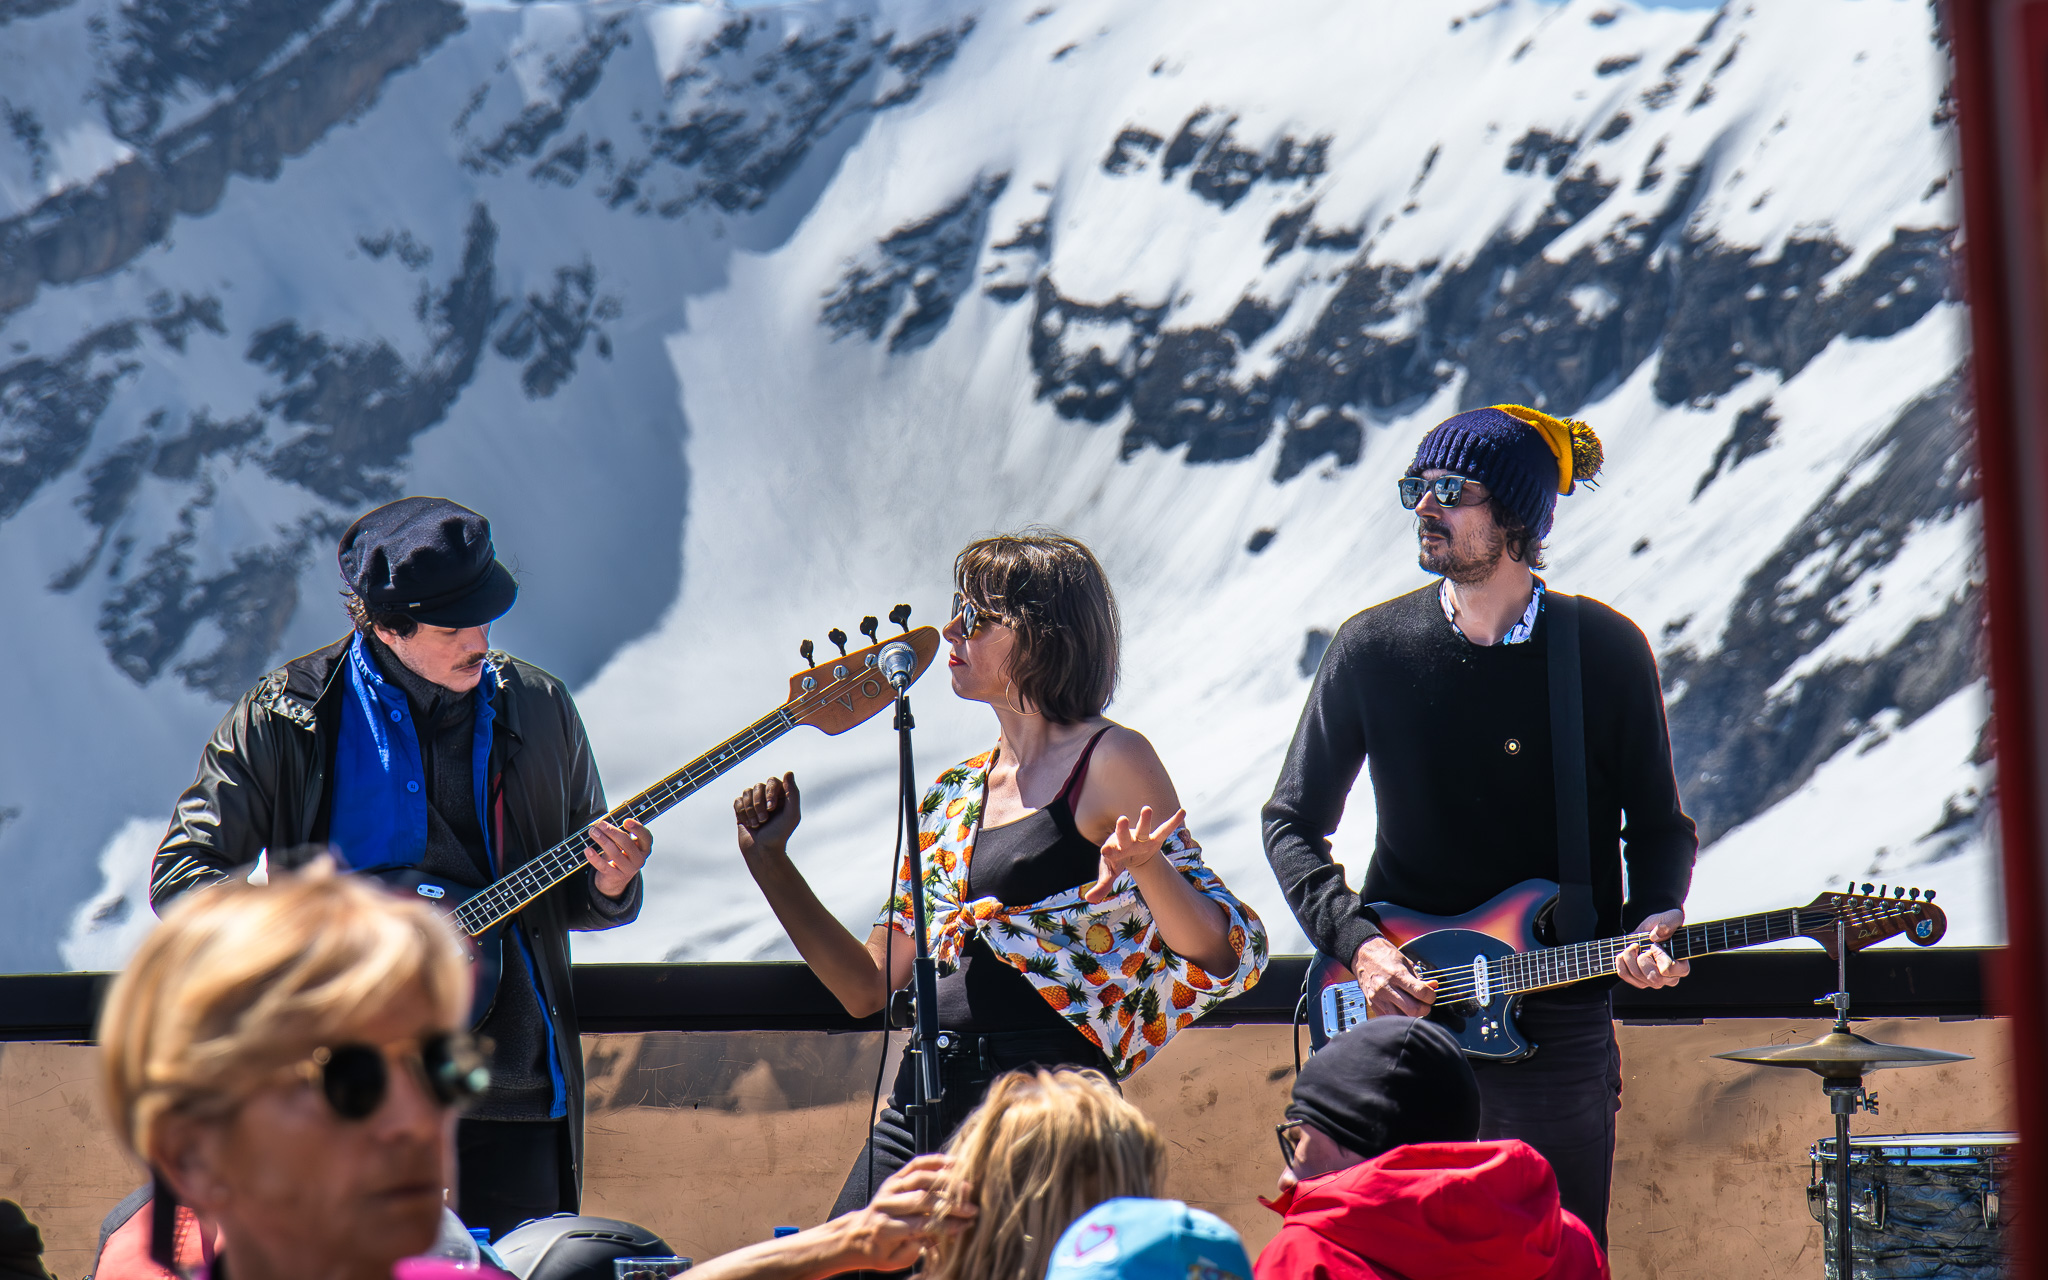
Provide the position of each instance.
(1575, 962)
(531, 879)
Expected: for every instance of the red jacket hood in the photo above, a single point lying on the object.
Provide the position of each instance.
(1446, 1210)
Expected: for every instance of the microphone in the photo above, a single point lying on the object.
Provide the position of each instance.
(898, 660)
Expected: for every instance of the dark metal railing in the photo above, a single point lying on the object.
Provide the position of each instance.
(1941, 982)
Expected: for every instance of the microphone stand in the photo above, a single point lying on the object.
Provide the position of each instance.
(928, 1091)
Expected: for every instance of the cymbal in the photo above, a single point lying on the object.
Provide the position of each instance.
(1842, 1055)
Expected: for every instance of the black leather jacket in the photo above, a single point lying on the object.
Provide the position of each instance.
(263, 784)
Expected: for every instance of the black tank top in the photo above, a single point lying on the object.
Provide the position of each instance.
(1017, 864)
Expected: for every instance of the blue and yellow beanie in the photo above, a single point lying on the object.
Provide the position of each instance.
(1524, 456)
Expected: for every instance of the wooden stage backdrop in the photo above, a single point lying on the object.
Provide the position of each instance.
(715, 1138)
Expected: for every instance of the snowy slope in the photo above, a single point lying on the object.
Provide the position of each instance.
(740, 323)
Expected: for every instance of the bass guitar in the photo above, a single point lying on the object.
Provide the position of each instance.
(1486, 960)
(832, 698)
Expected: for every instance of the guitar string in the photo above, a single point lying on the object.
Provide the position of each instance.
(506, 896)
(1560, 966)
(1568, 969)
(1576, 962)
(1565, 970)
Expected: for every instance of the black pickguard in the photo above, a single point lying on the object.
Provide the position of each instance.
(1486, 1031)
(486, 951)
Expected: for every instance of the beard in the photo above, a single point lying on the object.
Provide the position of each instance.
(1465, 560)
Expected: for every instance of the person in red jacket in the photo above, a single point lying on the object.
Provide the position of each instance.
(1384, 1181)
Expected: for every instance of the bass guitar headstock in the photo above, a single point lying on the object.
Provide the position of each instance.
(837, 693)
(1877, 913)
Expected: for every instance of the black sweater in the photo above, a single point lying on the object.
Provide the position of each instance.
(1463, 816)
(522, 1081)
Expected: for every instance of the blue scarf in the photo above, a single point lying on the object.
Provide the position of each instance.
(380, 784)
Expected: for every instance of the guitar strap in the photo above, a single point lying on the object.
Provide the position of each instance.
(1574, 918)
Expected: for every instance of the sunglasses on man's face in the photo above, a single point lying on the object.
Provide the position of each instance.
(1446, 489)
(356, 1078)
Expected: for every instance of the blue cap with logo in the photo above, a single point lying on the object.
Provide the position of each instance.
(1132, 1239)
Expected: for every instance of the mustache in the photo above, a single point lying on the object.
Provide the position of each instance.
(1425, 524)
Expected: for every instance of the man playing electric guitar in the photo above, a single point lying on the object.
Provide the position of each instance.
(408, 744)
(1445, 692)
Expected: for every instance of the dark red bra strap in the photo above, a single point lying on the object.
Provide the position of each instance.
(1074, 779)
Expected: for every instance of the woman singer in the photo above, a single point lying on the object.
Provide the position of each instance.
(1071, 915)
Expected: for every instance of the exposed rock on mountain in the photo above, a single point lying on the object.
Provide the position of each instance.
(738, 322)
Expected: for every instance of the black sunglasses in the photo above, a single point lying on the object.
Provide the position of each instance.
(356, 1078)
(1289, 1133)
(1446, 489)
(970, 616)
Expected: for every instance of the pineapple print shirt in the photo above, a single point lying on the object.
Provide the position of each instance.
(1101, 965)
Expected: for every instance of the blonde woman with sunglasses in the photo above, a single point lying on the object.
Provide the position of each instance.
(288, 1060)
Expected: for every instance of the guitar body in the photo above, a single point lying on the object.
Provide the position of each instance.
(1483, 1020)
(486, 951)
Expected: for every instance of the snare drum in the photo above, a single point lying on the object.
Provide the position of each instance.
(1924, 1204)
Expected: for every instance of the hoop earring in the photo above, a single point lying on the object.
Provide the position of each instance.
(1010, 701)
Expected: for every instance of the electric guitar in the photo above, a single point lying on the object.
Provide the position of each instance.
(1486, 960)
(832, 698)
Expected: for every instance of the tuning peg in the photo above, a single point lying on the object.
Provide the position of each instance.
(900, 615)
(1866, 888)
(838, 637)
(806, 650)
(1899, 892)
(1884, 890)
(1914, 894)
(1929, 895)
(868, 627)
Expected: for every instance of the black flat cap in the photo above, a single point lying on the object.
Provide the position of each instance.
(1388, 1083)
(427, 558)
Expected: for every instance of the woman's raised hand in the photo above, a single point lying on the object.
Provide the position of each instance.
(767, 813)
(1129, 848)
(920, 1203)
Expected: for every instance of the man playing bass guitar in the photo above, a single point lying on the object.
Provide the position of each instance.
(409, 744)
(1445, 693)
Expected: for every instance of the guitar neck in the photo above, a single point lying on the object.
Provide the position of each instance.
(531, 879)
(1579, 961)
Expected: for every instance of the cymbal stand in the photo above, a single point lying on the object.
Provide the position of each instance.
(1845, 1097)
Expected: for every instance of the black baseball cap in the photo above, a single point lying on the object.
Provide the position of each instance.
(427, 558)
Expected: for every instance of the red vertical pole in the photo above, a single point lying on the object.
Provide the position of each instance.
(2001, 90)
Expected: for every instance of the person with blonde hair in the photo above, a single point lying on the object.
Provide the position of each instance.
(1071, 915)
(289, 1060)
(1044, 1148)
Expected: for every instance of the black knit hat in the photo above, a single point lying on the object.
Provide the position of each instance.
(1388, 1083)
(427, 558)
(1525, 456)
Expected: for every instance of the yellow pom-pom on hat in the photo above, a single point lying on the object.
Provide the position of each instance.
(1572, 442)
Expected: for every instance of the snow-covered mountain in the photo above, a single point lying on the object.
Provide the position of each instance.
(739, 322)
